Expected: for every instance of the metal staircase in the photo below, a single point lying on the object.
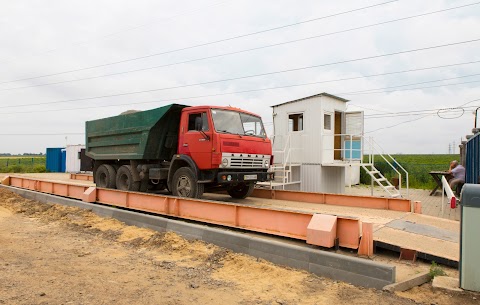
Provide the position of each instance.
(283, 175)
(383, 182)
(374, 149)
(283, 169)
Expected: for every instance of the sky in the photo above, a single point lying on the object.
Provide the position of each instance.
(74, 61)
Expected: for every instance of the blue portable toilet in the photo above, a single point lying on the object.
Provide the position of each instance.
(56, 160)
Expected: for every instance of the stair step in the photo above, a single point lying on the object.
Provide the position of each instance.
(381, 179)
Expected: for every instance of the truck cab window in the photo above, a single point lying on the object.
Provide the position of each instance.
(233, 122)
(191, 121)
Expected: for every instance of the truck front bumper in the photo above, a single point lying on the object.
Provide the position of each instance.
(235, 177)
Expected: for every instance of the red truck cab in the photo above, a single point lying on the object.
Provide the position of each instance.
(228, 146)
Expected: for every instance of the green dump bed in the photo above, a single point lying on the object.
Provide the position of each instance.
(150, 134)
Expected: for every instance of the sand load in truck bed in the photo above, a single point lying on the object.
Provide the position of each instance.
(151, 134)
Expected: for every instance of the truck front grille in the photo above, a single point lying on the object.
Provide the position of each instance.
(240, 162)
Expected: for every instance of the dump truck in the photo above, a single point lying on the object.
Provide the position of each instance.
(183, 149)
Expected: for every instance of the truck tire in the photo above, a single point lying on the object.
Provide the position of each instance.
(125, 179)
(185, 184)
(241, 190)
(105, 176)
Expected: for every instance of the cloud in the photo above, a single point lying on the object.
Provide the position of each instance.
(39, 40)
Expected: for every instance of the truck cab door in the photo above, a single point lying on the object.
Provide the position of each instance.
(197, 139)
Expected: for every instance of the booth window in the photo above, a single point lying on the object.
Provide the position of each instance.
(295, 122)
(327, 121)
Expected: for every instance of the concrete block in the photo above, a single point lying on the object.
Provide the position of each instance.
(141, 220)
(6, 180)
(349, 277)
(230, 246)
(187, 230)
(322, 230)
(280, 259)
(90, 195)
(355, 265)
(227, 237)
(279, 248)
(447, 283)
(413, 281)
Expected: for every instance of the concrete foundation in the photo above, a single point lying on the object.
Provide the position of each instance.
(353, 270)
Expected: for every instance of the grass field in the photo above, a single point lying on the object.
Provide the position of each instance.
(418, 167)
(23, 164)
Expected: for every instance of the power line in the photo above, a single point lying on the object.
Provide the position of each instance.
(415, 112)
(245, 77)
(406, 85)
(126, 29)
(214, 56)
(409, 89)
(418, 112)
(205, 44)
(218, 94)
(413, 120)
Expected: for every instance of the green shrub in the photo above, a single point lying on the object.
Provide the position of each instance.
(16, 169)
(39, 169)
(22, 164)
(436, 270)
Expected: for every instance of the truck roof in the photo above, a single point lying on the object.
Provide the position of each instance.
(223, 108)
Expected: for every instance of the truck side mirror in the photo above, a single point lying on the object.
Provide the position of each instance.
(198, 123)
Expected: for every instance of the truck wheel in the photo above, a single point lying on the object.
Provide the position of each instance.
(125, 179)
(105, 176)
(241, 190)
(185, 184)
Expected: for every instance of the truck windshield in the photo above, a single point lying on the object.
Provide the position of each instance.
(237, 123)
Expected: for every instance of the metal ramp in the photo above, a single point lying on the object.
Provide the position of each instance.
(383, 182)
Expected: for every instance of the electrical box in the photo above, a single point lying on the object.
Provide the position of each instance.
(469, 241)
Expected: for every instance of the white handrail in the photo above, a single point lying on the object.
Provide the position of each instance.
(372, 150)
(382, 153)
(450, 195)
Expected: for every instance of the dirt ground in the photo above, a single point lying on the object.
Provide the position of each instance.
(51, 254)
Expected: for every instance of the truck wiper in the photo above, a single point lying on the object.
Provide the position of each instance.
(225, 131)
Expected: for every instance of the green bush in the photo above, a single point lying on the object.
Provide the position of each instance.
(436, 270)
(39, 169)
(16, 169)
(22, 164)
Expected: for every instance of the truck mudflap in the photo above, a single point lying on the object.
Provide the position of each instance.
(235, 177)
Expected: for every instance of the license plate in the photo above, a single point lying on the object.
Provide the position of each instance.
(250, 177)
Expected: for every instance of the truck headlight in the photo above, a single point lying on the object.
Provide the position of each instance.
(224, 162)
(266, 163)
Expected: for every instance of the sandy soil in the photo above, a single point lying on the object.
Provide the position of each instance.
(51, 254)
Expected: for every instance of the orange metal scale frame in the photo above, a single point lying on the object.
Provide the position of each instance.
(272, 221)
